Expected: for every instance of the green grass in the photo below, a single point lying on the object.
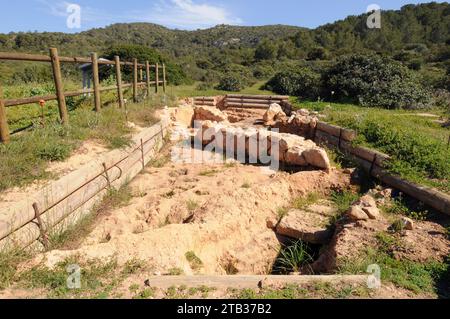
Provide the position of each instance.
(195, 262)
(192, 90)
(417, 145)
(192, 205)
(208, 173)
(97, 279)
(292, 258)
(317, 290)
(304, 202)
(418, 277)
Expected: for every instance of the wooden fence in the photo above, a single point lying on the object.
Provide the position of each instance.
(61, 95)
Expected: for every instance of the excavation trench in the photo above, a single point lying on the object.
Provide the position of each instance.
(215, 217)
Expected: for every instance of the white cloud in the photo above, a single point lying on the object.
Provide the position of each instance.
(187, 14)
(184, 14)
(58, 8)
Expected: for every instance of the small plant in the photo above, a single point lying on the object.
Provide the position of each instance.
(146, 294)
(134, 266)
(192, 205)
(246, 185)
(343, 200)
(169, 194)
(282, 212)
(175, 272)
(292, 258)
(208, 173)
(195, 262)
(304, 202)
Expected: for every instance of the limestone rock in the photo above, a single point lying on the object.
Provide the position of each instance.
(408, 223)
(307, 226)
(317, 157)
(372, 212)
(204, 113)
(356, 213)
(274, 112)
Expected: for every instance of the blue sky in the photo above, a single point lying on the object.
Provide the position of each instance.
(51, 15)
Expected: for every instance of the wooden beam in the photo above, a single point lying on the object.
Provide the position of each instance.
(119, 82)
(135, 81)
(147, 70)
(56, 67)
(96, 80)
(164, 78)
(157, 78)
(4, 128)
(243, 281)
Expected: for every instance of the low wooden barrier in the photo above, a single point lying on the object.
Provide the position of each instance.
(241, 101)
(374, 162)
(63, 202)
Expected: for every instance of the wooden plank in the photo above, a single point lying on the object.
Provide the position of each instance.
(56, 67)
(96, 80)
(157, 78)
(345, 134)
(251, 282)
(164, 78)
(246, 105)
(13, 56)
(135, 81)
(119, 82)
(4, 128)
(147, 70)
(264, 97)
(253, 101)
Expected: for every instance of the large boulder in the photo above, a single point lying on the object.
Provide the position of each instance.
(209, 113)
(274, 112)
(317, 157)
(307, 226)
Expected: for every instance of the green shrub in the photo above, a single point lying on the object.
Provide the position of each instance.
(371, 80)
(231, 83)
(302, 82)
(292, 258)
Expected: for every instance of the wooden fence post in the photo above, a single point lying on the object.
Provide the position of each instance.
(56, 67)
(164, 78)
(157, 78)
(97, 99)
(147, 70)
(135, 81)
(141, 75)
(4, 129)
(119, 82)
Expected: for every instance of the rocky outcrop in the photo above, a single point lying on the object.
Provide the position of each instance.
(209, 113)
(301, 122)
(359, 230)
(287, 148)
(274, 113)
(307, 226)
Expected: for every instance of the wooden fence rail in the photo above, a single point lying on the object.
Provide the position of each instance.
(61, 95)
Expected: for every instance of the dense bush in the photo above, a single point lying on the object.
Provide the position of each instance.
(302, 82)
(231, 83)
(371, 80)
